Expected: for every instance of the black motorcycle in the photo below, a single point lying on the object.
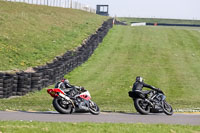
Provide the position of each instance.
(152, 101)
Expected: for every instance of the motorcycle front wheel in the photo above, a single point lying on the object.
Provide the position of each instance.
(93, 108)
(62, 108)
(168, 110)
(141, 106)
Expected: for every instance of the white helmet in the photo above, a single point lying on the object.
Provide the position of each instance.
(66, 81)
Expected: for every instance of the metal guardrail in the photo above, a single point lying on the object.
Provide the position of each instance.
(166, 24)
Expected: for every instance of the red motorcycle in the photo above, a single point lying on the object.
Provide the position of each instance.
(66, 102)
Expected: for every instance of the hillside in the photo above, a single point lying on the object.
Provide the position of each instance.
(166, 57)
(31, 35)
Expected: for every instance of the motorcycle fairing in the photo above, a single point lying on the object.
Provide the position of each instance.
(85, 95)
(54, 92)
(136, 94)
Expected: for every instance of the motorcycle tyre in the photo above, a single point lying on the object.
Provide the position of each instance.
(92, 111)
(165, 110)
(59, 108)
(140, 109)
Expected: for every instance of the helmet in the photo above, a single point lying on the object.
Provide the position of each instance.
(66, 81)
(139, 79)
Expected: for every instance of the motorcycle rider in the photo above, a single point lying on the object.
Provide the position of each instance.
(63, 84)
(138, 86)
(66, 87)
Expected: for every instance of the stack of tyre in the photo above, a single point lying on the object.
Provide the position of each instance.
(21, 83)
(1, 85)
(36, 81)
(7, 85)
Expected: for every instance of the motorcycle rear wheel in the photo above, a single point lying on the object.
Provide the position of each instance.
(61, 108)
(93, 108)
(168, 110)
(141, 106)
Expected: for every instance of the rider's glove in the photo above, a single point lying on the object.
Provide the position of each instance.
(82, 88)
(160, 91)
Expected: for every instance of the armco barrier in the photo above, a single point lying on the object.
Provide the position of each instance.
(21, 83)
(165, 24)
(119, 23)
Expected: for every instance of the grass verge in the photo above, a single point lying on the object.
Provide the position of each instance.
(42, 127)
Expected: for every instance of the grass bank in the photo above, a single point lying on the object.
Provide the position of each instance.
(31, 35)
(168, 58)
(160, 20)
(42, 127)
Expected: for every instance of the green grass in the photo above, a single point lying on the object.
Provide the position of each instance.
(52, 127)
(37, 101)
(168, 58)
(159, 20)
(31, 35)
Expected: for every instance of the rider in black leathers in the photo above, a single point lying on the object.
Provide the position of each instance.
(139, 84)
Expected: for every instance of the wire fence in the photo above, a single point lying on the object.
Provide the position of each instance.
(59, 3)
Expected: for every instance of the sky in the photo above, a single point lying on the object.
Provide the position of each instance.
(175, 9)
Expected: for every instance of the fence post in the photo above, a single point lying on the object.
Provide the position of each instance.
(59, 3)
(71, 4)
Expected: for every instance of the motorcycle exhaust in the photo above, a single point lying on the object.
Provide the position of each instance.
(146, 100)
(66, 98)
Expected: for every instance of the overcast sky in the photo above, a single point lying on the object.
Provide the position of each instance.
(180, 9)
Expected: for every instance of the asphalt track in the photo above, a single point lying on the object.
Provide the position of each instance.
(51, 116)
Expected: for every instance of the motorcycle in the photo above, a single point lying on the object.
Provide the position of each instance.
(152, 101)
(66, 102)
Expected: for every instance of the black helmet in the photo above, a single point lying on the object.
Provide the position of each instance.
(139, 79)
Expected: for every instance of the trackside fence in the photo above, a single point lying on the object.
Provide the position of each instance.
(59, 3)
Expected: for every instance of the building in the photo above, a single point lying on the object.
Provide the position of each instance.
(102, 10)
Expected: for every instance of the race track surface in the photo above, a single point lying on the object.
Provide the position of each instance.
(51, 116)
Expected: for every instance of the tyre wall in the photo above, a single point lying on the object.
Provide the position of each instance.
(20, 83)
